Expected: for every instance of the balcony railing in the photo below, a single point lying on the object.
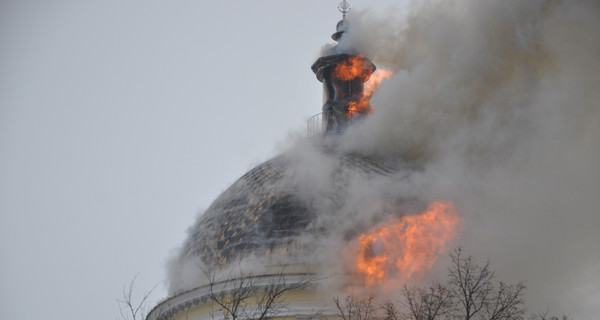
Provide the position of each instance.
(328, 122)
(315, 125)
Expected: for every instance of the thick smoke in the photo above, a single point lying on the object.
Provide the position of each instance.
(499, 103)
(495, 106)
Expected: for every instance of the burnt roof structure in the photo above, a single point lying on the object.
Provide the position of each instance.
(272, 212)
(260, 214)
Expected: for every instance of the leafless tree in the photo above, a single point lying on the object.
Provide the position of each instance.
(254, 297)
(474, 288)
(129, 309)
(543, 315)
(471, 293)
(436, 302)
(506, 303)
(353, 308)
(391, 311)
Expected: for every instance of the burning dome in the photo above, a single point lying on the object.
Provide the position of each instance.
(489, 139)
(253, 216)
(274, 216)
(261, 215)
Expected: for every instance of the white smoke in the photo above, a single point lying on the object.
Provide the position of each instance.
(499, 102)
(494, 105)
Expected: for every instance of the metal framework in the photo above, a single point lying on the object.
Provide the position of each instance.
(344, 8)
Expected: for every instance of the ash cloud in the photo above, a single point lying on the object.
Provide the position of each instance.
(495, 106)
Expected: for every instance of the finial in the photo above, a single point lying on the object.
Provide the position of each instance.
(344, 8)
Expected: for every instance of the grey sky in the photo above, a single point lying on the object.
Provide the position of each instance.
(121, 120)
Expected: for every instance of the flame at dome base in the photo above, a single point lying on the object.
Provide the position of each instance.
(408, 246)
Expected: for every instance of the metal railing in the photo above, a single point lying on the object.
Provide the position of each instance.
(328, 122)
(315, 125)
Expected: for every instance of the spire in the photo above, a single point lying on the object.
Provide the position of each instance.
(344, 8)
(343, 76)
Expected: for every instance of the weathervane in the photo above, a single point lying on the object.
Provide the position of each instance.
(344, 8)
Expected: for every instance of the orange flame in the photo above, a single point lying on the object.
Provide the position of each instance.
(409, 245)
(363, 104)
(352, 68)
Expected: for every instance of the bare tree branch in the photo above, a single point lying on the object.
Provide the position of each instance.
(543, 315)
(230, 300)
(390, 311)
(470, 283)
(473, 286)
(130, 309)
(247, 296)
(431, 304)
(353, 308)
(507, 303)
(274, 293)
(471, 293)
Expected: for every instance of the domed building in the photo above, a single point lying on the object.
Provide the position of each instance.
(252, 254)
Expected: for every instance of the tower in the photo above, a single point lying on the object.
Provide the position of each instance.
(343, 76)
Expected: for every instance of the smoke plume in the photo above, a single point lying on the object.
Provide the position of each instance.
(495, 106)
(499, 103)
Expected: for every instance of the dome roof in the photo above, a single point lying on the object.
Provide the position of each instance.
(260, 214)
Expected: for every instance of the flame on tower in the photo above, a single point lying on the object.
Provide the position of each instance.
(364, 105)
(356, 67)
